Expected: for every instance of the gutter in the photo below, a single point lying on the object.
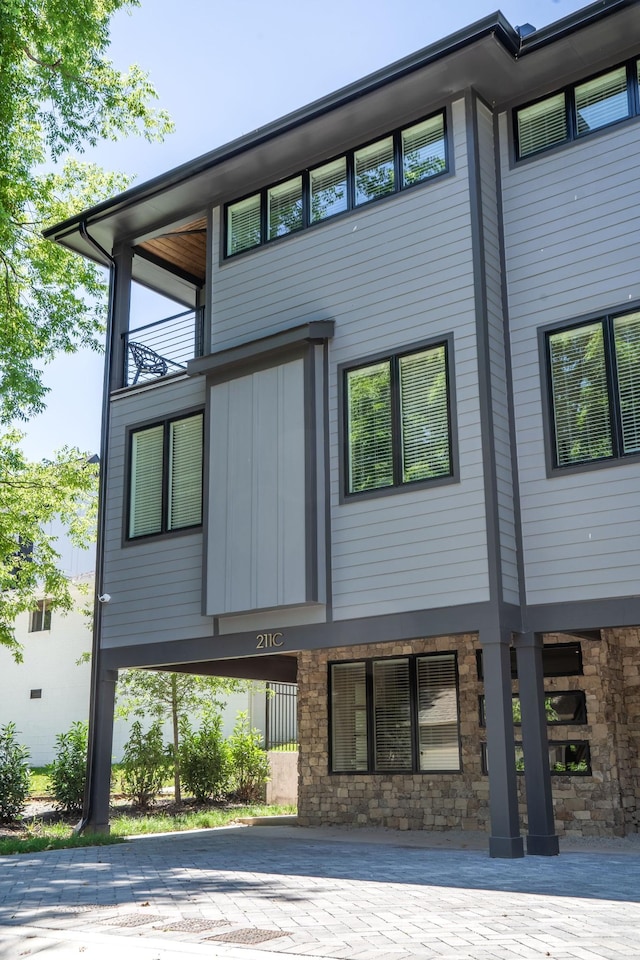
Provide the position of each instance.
(495, 24)
(87, 807)
(575, 21)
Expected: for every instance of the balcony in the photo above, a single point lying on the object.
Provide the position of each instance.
(162, 349)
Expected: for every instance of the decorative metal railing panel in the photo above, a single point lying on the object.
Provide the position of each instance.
(162, 348)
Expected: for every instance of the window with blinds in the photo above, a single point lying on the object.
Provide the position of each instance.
(165, 483)
(578, 110)
(594, 380)
(40, 617)
(395, 715)
(349, 746)
(397, 421)
(399, 160)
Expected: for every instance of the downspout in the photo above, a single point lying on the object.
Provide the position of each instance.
(102, 477)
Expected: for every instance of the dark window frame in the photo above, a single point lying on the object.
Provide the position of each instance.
(578, 694)
(573, 135)
(583, 744)
(548, 651)
(394, 356)
(307, 222)
(412, 660)
(164, 531)
(607, 321)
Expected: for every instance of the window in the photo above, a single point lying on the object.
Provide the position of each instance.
(397, 421)
(594, 385)
(40, 618)
(165, 491)
(558, 660)
(579, 110)
(566, 758)
(395, 715)
(398, 160)
(561, 707)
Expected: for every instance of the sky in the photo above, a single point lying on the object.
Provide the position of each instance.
(222, 68)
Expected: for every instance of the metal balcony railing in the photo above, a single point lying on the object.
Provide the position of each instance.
(162, 348)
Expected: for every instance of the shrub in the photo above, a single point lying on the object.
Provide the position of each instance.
(250, 763)
(68, 772)
(146, 764)
(204, 759)
(14, 774)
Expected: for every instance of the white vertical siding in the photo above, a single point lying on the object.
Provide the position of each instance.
(572, 232)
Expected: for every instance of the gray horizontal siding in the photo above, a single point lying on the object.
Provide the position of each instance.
(155, 586)
(393, 273)
(572, 230)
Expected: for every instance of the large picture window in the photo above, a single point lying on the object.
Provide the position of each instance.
(165, 488)
(397, 420)
(395, 715)
(594, 383)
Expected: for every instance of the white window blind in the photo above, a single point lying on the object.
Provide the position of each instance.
(542, 125)
(370, 443)
(284, 208)
(438, 729)
(424, 415)
(348, 717)
(374, 170)
(243, 224)
(145, 508)
(392, 715)
(423, 150)
(626, 332)
(328, 185)
(185, 473)
(581, 409)
(602, 101)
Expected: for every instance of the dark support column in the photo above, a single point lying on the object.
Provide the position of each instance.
(121, 310)
(541, 838)
(100, 749)
(505, 840)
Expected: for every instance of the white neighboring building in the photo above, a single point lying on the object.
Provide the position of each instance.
(49, 690)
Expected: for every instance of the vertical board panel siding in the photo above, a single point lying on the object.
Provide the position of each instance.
(156, 586)
(499, 386)
(394, 273)
(572, 235)
(257, 530)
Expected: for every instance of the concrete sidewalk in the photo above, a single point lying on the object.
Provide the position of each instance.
(260, 892)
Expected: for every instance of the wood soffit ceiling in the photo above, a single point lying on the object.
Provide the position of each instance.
(184, 248)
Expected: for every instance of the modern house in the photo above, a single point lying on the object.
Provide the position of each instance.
(388, 443)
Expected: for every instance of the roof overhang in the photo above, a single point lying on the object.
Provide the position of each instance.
(488, 56)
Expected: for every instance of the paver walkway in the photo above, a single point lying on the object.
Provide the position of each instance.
(285, 891)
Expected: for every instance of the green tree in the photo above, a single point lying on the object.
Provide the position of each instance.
(59, 94)
(174, 697)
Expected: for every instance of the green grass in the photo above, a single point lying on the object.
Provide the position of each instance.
(39, 836)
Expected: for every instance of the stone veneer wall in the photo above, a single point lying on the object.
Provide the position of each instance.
(606, 803)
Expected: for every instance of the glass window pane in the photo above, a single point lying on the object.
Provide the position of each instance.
(438, 733)
(243, 225)
(579, 394)
(626, 331)
(542, 125)
(185, 473)
(370, 449)
(602, 101)
(423, 150)
(328, 186)
(284, 208)
(145, 507)
(392, 715)
(374, 170)
(348, 717)
(424, 415)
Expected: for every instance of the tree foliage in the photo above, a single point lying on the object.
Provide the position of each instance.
(59, 94)
(175, 697)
